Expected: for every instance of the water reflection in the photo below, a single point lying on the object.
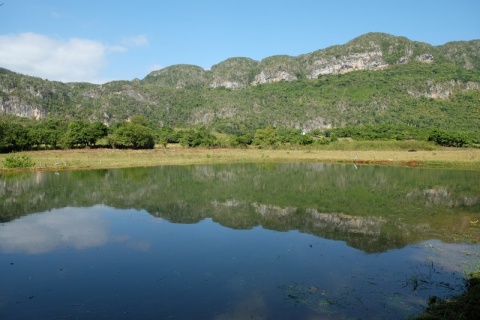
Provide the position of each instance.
(372, 208)
(43, 232)
(266, 241)
(105, 262)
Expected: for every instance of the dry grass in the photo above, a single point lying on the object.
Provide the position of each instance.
(175, 155)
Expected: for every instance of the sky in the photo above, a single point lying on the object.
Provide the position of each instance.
(99, 41)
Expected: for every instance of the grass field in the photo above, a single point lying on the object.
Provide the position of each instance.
(176, 155)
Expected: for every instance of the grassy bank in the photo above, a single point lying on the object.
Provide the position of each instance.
(381, 154)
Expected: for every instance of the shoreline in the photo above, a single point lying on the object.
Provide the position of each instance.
(81, 159)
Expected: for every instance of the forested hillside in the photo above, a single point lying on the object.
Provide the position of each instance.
(373, 79)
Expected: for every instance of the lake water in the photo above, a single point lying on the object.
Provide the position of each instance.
(243, 241)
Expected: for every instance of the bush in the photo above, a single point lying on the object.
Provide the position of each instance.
(199, 137)
(16, 161)
(166, 134)
(449, 139)
(242, 140)
(267, 137)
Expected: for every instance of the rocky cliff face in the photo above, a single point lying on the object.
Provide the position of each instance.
(277, 69)
(154, 95)
(374, 51)
(354, 62)
(19, 98)
(233, 73)
(16, 107)
(442, 90)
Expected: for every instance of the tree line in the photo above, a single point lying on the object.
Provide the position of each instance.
(445, 138)
(17, 134)
(20, 134)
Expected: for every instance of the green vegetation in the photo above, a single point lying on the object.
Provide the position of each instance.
(81, 133)
(411, 107)
(13, 136)
(199, 137)
(409, 94)
(373, 209)
(18, 161)
(267, 137)
(136, 134)
(370, 200)
(464, 307)
(449, 139)
(21, 134)
(407, 106)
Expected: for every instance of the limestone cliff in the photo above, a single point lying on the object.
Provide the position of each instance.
(16, 107)
(277, 69)
(185, 95)
(373, 51)
(233, 73)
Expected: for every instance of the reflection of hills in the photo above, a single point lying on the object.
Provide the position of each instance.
(372, 208)
(350, 224)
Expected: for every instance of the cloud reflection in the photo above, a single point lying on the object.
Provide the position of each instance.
(79, 228)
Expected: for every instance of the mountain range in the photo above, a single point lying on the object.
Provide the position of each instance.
(373, 79)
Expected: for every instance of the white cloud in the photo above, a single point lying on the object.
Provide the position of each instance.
(38, 55)
(117, 48)
(80, 228)
(136, 41)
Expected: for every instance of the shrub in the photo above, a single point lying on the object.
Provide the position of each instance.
(17, 161)
(267, 137)
(242, 140)
(449, 139)
(199, 137)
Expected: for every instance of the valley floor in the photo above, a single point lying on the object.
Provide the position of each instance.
(459, 158)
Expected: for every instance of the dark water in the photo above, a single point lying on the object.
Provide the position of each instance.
(270, 241)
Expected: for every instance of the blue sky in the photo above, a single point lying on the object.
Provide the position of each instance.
(99, 40)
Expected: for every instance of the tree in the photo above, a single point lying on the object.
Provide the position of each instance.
(97, 130)
(140, 120)
(199, 137)
(133, 135)
(267, 137)
(242, 140)
(81, 133)
(14, 137)
(449, 139)
(48, 133)
(294, 136)
(167, 134)
(76, 134)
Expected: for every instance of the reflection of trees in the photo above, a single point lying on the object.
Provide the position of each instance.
(373, 208)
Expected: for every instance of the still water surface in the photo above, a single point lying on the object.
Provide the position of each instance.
(269, 241)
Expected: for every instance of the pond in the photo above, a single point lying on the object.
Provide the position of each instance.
(243, 241)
